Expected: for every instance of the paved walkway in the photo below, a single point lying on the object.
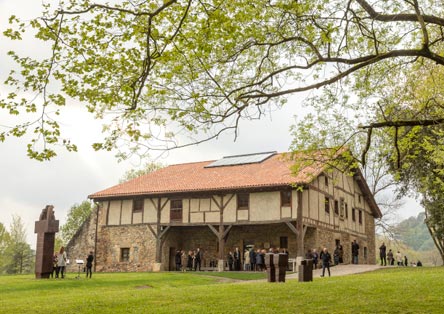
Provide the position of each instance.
(341, 270)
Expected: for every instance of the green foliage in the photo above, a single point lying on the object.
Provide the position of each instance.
(414, 233)
(17, 255)
(77, 215)
(160, 72)
(190, 293)
(135, 173)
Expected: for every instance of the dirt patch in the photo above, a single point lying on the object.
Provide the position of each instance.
(143, 287)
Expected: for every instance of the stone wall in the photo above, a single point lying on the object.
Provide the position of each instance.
(142, 244)
(83, 242)
(137, 238)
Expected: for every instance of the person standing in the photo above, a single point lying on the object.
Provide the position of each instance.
(382, 254)
(325, 259)
(54, 266)
(399, 258)
(198, 259)
(178, 259)
(183, 261)
(89, 264)
(237, 255)
(390, 257)
(336, 255)
(247, 261)
(341, 253)
(355, 251)
(406, 261)
(315, 259)
(61, 262)
(230, 260)
(252, 259)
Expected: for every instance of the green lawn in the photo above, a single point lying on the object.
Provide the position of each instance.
(403, 290)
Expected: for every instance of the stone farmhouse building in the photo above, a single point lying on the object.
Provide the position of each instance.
(238, 201)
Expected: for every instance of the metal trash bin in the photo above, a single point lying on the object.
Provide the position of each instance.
(305, 270)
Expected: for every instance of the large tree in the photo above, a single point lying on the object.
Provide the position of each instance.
(166, 74)
(19, 257)
(77, 215)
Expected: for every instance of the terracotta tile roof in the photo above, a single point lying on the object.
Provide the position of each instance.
(195, 177)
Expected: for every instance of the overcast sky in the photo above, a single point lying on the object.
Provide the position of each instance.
(27, 186)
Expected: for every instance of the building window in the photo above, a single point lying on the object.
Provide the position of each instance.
(337, 207)
(138, 205)
(346, 210)
(285, 198)
(326, 180)
(243, 201)
(283, 242)
(359, 198)
(360, 217)
(175, 210)
(365, 252)
(327, 205)
(353, 214)
(124, 254)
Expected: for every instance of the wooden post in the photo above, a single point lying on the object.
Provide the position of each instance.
(300, 229)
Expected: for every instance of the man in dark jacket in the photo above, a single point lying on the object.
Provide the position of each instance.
(198, 259)
(383, 254)
(325, 259)
(89, 264)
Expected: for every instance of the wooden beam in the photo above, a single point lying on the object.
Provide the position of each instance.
(216, 233)
(164, 231)
(226, 231)
(152, 231)
(292, 227)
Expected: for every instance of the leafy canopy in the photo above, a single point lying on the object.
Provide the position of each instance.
(169, 73)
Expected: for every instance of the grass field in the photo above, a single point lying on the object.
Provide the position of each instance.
(403, 290)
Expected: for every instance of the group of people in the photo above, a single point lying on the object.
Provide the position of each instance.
(389, 258)
(189, 261)
(60, 260)
(253, 260)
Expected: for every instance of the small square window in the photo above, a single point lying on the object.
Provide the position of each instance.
(327, 205)
(243, 201)
(285, 198)
(138, 205)
(124, 254)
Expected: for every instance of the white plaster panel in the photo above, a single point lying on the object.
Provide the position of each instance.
(264, 206)
(165, 215)
(186, 205)
(205, 204)
(294, 202)
(286, 212)
(230, 209)
(127, 211)
(212, 217)
(104, 211)
(137, 218)
(114, 213)
(242, 214)
(196, 217)
(194, 205)
(149, 211)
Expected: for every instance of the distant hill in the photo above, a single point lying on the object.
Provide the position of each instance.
(414, 233)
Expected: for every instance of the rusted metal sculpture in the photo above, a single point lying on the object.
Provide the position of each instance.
(46, 228)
